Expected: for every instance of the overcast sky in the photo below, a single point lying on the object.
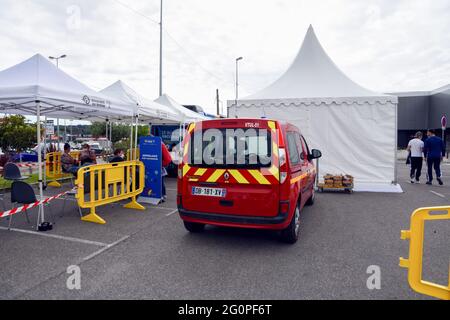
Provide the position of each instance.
(386, 46)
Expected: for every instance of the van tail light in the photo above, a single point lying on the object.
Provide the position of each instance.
(283, 165)
(284, 207)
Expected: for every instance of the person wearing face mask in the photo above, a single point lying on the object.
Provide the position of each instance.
(119, 156)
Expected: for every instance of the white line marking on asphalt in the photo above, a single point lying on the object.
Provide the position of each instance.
(171, 213)
(109, 246)
(164, 208)
(437, 194)
(55, 236)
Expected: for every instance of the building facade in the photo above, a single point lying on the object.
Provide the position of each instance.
(419, 111)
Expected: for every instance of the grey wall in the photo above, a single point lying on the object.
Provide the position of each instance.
(422, 112)
(439, 106)
(413, 112)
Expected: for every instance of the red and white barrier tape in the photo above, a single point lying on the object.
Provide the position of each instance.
(32, 205)
(28, 165)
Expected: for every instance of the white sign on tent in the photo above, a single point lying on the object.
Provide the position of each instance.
(50, 127)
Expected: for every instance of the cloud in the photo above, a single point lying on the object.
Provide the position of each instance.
(383, 45)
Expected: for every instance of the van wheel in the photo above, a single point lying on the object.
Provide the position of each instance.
(194, 227)
(311, 199)
(290, 234)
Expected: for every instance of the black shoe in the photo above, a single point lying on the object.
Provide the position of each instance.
(440, 181)
(429, 183)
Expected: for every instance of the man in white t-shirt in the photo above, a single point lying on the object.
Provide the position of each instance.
(415, 146)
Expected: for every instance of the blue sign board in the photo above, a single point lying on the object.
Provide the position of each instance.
(166, 133)
(151, 156)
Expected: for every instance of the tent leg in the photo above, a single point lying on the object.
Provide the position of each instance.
(395, 147)
(131, 139)
(136, 138)
(41, 215)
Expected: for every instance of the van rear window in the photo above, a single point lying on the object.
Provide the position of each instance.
(231, 148)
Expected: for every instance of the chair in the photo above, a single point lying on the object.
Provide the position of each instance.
(71, 176)
(22, 193)
(12, 172)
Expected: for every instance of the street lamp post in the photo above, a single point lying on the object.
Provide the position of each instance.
(161, 50)
(57, 59)
(237, 82)
(237, 77)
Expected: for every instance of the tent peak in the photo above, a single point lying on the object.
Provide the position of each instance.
(312, 74)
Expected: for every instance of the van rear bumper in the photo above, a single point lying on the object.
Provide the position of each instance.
(239, 220)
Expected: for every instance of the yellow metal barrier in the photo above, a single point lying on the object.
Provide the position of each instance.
(415, 262)
(53, 168)
(107, 183)
(75, 155)
(130, 154)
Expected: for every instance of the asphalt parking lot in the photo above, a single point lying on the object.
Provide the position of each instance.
(149, 255)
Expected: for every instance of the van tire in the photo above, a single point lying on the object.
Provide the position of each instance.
(311, 199)
(291, 233)
(194, 227)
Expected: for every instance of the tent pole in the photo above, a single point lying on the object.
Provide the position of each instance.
(45, 149)
(41, 216)
(57, 133)
(110, 131)
(136, 137)
(131, 138)
(396, 145)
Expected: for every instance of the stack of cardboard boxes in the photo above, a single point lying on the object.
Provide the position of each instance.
(338, 181)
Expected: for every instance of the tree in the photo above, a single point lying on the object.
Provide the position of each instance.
(16, 134)
(119, 131)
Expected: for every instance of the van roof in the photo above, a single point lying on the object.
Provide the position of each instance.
(229, 121)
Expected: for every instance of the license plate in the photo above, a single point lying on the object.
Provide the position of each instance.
(209, 192)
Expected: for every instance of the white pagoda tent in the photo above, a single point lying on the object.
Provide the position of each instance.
(355, 128)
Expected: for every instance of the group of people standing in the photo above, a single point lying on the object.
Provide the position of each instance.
(432, 150)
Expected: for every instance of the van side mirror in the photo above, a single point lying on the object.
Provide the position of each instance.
(315, 154)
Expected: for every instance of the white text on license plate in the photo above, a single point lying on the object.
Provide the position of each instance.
(210, 192)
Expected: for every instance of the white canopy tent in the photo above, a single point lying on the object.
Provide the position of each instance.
(185, 114)
(355, 128)
(146, 109)
(36, 87)
(60, 95)
(143, 109)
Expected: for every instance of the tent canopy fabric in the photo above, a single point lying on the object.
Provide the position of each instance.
(355, 128)
(145, 108)
(314, 75)
(60, 95)
(186, 114)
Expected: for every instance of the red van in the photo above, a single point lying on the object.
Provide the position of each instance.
(247, 173)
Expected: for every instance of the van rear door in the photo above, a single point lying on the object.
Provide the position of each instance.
(230, 167)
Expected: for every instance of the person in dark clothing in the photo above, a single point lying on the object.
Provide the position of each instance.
(87, 156)
(434, 150)
(69, 164)
(119, 156)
